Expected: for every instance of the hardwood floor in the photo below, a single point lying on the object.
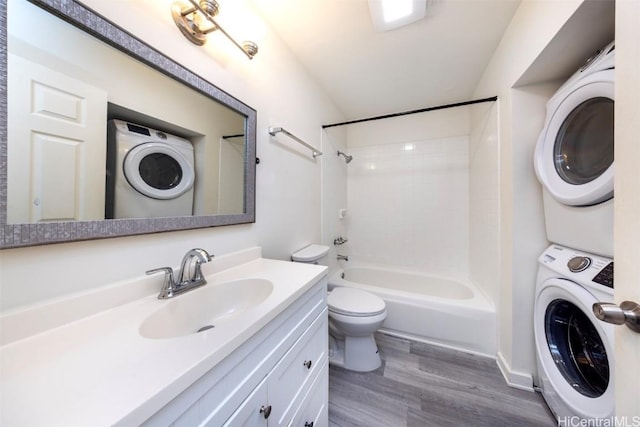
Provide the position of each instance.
(423, 385)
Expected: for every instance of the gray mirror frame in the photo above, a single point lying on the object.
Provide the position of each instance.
(18, 235)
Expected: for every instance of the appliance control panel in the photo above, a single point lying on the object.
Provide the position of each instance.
(605, 277)
(582, 267)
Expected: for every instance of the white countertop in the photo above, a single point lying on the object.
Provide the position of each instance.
(98, 369)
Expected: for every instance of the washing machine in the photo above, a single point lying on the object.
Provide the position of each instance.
(574, 349)
(574, 158)
(149, 173)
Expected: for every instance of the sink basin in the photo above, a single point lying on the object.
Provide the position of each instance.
(205, 308)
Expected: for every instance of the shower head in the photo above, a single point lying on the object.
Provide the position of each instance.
(347, 158)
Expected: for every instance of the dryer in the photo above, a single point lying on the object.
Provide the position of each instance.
(574, 158)
(149, 173)
(574, 350)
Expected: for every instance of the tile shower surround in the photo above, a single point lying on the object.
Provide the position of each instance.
(409, 204)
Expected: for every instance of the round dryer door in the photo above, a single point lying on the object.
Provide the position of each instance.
(574, 348)
(574, 156)
(158, 171)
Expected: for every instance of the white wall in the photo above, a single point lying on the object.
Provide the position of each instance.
(529, 234)
(408, 192)
(288, 178)
(545, 41)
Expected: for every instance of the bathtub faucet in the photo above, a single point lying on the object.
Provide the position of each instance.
(343, 257)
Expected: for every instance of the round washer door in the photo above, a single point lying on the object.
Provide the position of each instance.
(574, 348)
(574, 154)
(158, 171)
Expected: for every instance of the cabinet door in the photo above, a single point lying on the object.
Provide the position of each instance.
(314, 412)
(252, 411)
(291, 378)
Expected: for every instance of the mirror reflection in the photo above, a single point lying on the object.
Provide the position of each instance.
(94, 134)
(61, 181)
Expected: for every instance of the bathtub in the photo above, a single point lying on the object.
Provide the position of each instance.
(446, 312)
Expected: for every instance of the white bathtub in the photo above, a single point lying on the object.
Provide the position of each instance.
(426, 308)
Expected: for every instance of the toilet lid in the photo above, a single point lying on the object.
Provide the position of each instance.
(310, 253)
(354, 302)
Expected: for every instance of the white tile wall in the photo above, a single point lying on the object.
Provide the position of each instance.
(408, 204)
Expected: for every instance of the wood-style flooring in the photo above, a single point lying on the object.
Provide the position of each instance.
(424, 385)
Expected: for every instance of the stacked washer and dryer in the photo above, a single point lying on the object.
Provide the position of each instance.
(574, 163)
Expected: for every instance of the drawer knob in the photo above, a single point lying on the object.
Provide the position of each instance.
(307, 363)
(308, 424)
(265, 411)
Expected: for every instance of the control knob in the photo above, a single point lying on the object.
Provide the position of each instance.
(578, 264)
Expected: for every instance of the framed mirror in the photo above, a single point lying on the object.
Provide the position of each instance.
(104, 136)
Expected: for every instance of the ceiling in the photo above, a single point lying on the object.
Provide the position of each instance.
(437, 60)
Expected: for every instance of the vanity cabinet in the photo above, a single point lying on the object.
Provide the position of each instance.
(293, 393)
(293, 376)
(279, 377)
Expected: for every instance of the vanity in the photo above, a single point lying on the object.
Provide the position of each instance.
(248, 348)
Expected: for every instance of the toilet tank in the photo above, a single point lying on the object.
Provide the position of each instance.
(311, 254)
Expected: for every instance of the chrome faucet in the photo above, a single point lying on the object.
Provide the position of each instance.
(343, 257)
(189, 277)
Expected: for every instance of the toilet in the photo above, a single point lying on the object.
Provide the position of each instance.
(354, 316)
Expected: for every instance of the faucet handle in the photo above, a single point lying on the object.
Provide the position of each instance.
(203, 257)
(169, 284)
(340, 241)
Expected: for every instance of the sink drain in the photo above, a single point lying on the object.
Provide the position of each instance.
(204, 328)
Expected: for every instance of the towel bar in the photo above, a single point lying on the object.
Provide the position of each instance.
(274, 130)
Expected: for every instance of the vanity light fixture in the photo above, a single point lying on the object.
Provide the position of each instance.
(196, 19)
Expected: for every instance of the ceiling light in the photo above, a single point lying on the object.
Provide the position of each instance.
(396, 9)
(390, 14)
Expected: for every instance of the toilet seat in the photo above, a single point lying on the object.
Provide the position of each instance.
(354, 302)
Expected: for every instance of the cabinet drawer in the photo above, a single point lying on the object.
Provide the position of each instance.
(247, 415)
(314, 412)
(291, 377)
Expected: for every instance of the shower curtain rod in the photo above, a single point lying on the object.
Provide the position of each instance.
(404, 113)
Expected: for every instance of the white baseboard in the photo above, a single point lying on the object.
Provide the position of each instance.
(520, 380)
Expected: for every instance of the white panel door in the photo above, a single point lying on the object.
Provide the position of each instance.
(56, 145)
(627, 205)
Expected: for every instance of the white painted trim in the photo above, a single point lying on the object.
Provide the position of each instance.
(520, 380)
(420, 339)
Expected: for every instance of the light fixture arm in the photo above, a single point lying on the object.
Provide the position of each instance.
(183, 16)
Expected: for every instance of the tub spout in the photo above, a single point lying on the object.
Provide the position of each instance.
(343, 257)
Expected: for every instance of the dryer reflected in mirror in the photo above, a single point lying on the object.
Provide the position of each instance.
(150, 173)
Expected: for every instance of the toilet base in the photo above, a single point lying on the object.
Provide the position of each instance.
(358, 354)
